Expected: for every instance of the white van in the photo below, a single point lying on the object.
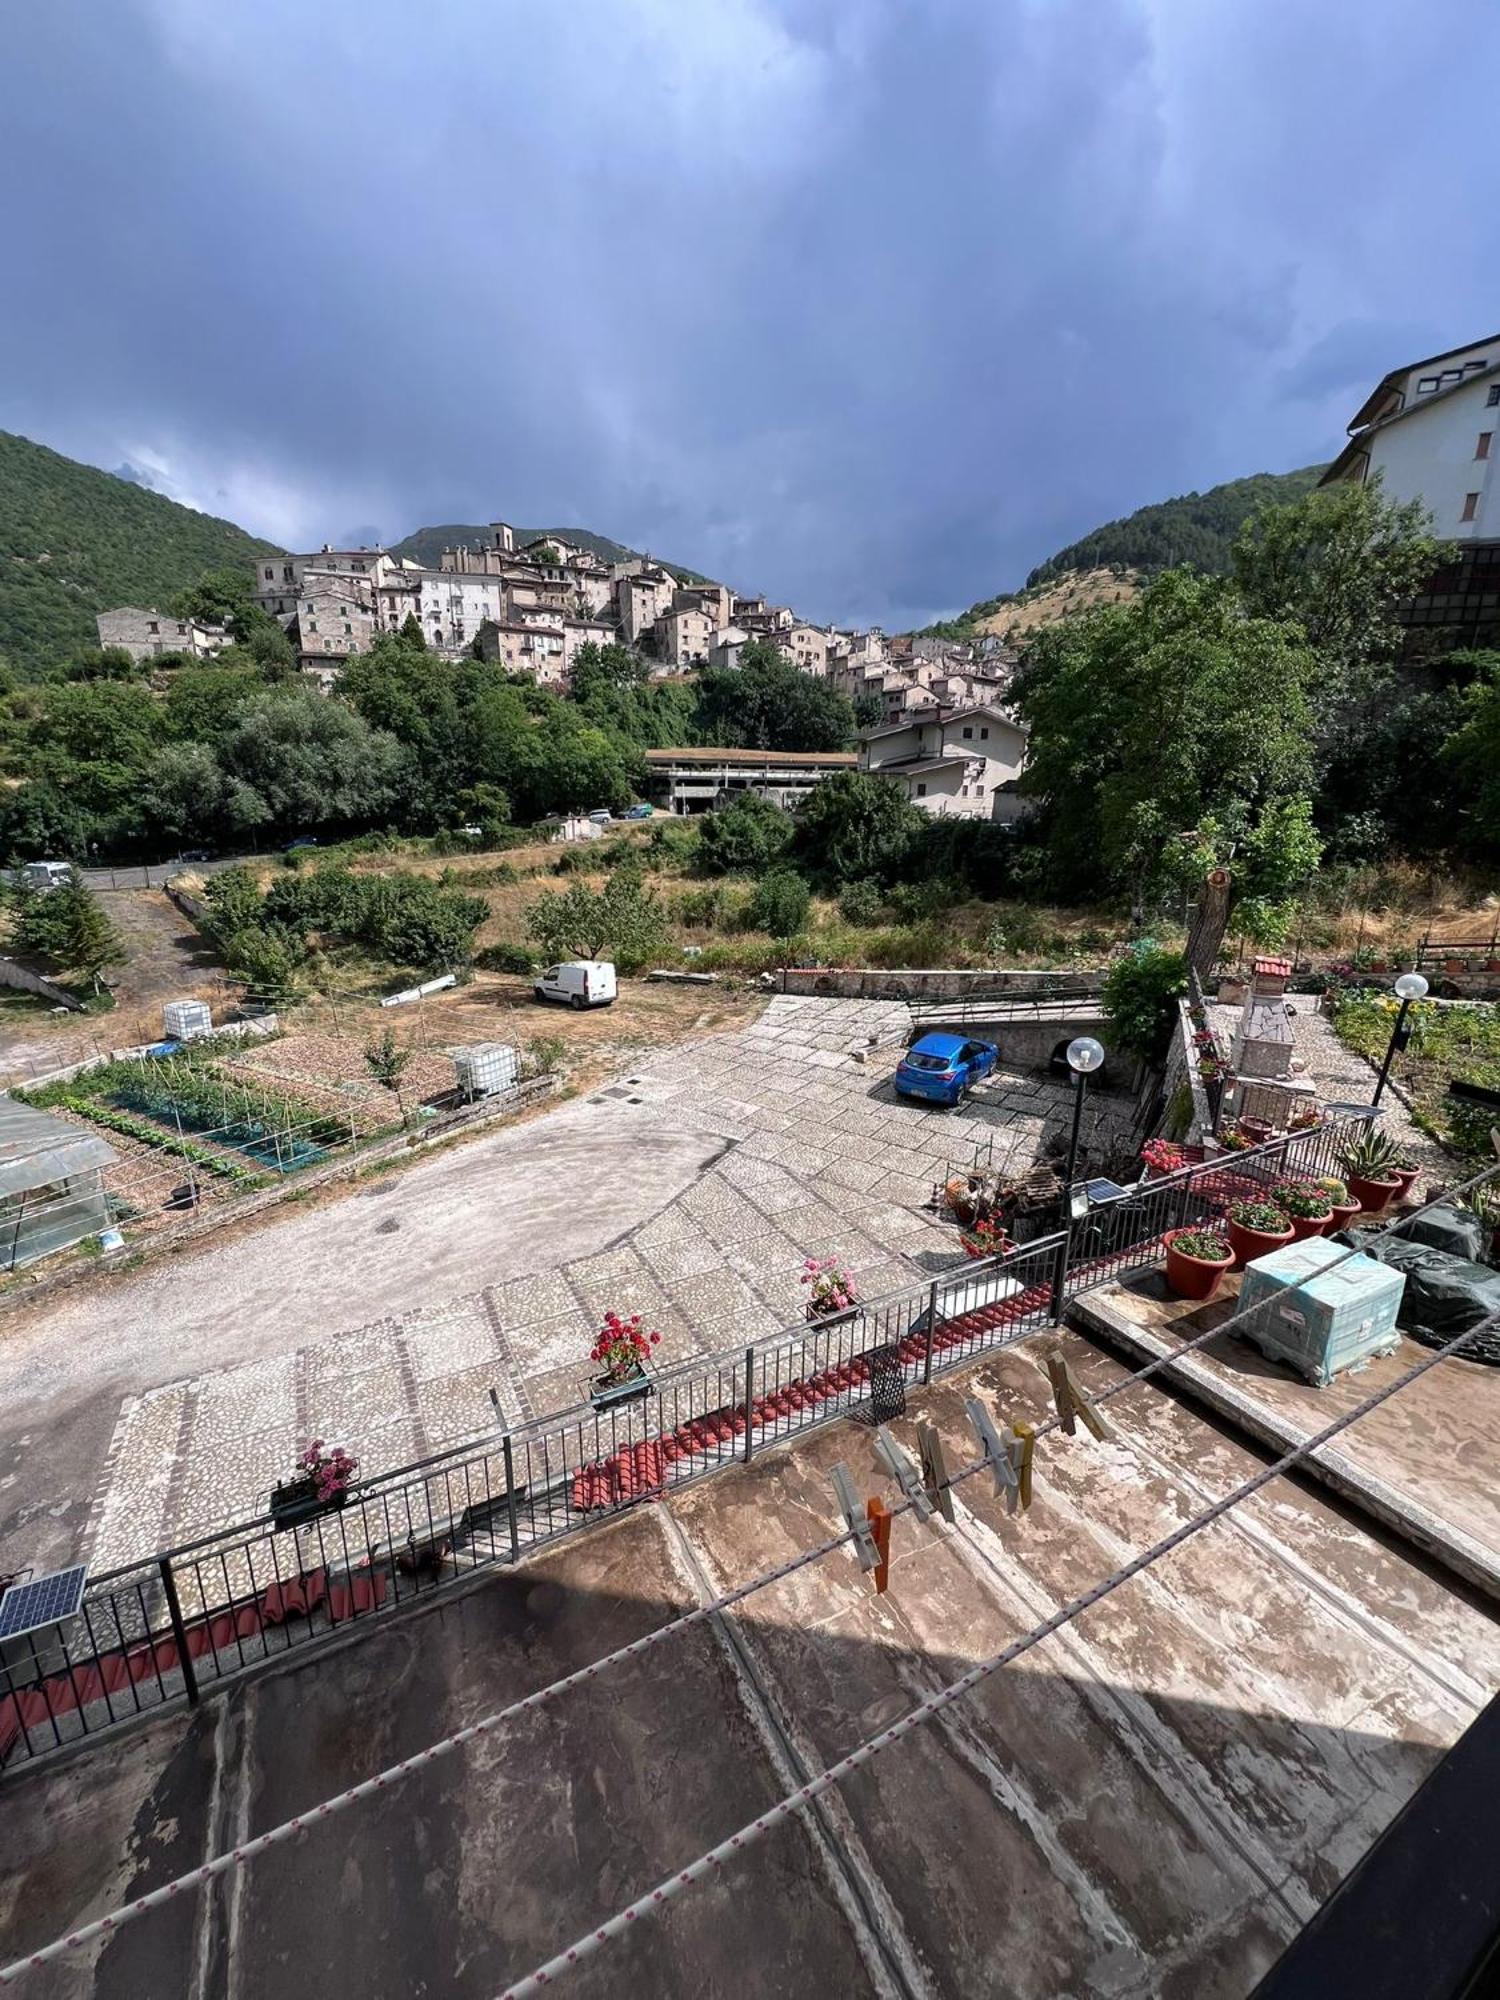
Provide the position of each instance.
(46, 875)
(582, 982)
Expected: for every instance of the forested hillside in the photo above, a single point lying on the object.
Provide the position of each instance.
(1196, 528)
(75, 541)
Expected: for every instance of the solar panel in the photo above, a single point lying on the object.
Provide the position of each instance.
(45, 1600)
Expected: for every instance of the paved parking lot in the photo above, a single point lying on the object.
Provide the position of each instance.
(722, 1167)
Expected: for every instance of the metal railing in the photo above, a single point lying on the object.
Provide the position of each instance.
(162, 1629)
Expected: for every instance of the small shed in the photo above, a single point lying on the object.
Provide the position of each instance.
(51, 1184)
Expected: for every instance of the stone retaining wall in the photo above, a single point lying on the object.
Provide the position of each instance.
(856, 982)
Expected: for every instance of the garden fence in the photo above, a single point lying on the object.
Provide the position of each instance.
(163, 1629)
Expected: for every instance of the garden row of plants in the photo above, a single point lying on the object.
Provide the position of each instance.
(191, 1087)
(1446, 1041)
(148, 1134)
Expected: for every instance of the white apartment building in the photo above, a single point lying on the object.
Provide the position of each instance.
(963, 762)
(725, 647)
(1428, 431)
(145, 633)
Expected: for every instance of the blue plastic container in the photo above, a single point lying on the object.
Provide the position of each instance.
(1322, 1321)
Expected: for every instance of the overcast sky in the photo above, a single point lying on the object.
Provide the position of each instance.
(867, 304)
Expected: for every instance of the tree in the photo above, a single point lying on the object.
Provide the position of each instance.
(310, 762)
(1151, 719)
(217, 598)
(1337, 562)
(1472, 758)
(623, 918)
(749, 833)
(852, 826)
(68, 925)
(606, 669)
(780, 903)
(768, 704)
(387, 1063)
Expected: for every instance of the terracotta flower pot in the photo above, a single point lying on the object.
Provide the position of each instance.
(1193, 1277)
(1404, 1177)
(1304, 1226)
(1343, 1213)
(1372, 1196)
(1248, 1244)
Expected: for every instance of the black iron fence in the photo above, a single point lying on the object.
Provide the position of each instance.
(163, 1629)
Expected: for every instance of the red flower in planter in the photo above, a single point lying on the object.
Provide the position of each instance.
(330, 1471)
(622, 1347)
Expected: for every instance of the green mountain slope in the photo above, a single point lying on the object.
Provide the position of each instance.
(426, 545)
(1196, 528)
(74, 540)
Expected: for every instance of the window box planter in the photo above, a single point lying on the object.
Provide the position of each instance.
(1248, 1244)
(296, 1501)
(1373, 1196)
(607, 1392)
(1193, 1277)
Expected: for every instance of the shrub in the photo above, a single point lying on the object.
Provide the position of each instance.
(623, 917)
(860, 902)
(780, 904)
(507, 957)
(1141, 992)
(749, 833)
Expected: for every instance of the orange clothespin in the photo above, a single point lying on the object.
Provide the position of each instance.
(879, 1517)
(1071, 1398)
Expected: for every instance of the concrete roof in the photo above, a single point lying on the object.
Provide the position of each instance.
(818, 759)
(36, 1148)
(1154, 1800)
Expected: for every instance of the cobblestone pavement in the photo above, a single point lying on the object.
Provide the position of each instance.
(1342, 1074)
(822, 1160)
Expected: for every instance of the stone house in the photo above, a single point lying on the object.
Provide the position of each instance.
(683, 637)
(144, 633)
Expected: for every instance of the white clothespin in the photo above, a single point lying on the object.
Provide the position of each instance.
(935, 1470)
(855, 1517)
(902, 1470)
(997, 1453)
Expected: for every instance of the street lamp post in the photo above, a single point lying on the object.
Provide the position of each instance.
(1085, 1055)
(1410, 986)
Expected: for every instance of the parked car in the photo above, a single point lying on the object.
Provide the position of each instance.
(196, 854)
(640, 812)
(45, 875)
(601, 816)
(581, 982)
(302, 840)
(943, 1068)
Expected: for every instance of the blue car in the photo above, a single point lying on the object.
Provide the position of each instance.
(943, 1068)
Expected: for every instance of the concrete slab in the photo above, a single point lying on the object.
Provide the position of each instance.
(1152, 1801)
(1427, 1462)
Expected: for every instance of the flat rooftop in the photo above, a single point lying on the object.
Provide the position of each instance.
(1153, 1800)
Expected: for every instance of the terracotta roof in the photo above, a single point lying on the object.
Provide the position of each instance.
(1273, 968)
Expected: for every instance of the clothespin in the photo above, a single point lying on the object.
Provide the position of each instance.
(905, 1474)
(1020, 1443)
(857, 1519)
(935, 1470)
(996, 1452)
(1072, 1399)
(879, 1517)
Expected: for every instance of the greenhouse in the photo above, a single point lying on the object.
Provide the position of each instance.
(51, 1184)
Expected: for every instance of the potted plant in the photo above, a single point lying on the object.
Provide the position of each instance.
(1255, 1229)
(320, 1484)
(621, 1349)
(1406, 1170)
(830, 1290)
(1160, 1156)
(1196, 1261)
(1306, 1207)
(986, 1238)
(1342, 1203)
(1369, 1164)
(1234, 1138)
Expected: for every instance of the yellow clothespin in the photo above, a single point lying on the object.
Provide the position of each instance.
(1020, 1445)
(935, 1470)
(1072, 1399)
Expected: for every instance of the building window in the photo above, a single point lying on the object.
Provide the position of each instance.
(984, 736)
(921, 791)
(270, 574)
(1494, 395)
(968, 733)
(1427, 384)
(1471, 507)
(979, 791)
(1482, 449)
(152, 626)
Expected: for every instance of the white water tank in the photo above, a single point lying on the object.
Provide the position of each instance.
(485, 1067)
(187, 1020)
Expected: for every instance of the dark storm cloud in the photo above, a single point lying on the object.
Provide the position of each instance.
(863, 304)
